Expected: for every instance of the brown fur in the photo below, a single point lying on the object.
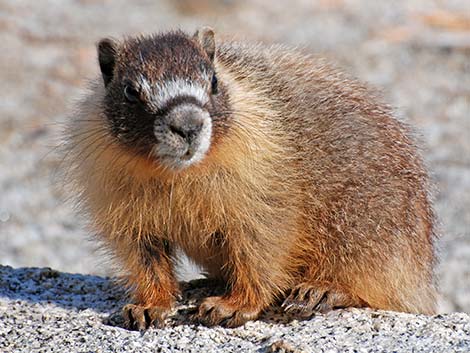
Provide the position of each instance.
(315, 186)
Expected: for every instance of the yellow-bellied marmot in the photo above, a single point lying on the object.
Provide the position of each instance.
(271, 170)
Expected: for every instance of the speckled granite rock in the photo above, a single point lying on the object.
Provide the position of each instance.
(44, 310)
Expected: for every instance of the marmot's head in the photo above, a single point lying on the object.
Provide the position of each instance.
(163, 99)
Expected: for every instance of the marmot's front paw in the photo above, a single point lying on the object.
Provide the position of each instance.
(222, 311)
(137, 317)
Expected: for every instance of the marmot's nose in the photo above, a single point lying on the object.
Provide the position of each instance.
(188, 130)
(185, 121)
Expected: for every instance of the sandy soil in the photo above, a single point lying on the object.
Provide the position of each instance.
(417, 52)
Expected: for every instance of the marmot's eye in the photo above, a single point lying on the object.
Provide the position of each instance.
(214, 85)
(131, 94)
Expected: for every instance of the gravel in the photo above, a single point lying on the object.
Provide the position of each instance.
(43, 310)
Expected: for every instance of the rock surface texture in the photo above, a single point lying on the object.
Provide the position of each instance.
(43, 310)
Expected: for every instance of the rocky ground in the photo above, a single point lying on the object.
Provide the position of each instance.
(417, 52)
(43, 310)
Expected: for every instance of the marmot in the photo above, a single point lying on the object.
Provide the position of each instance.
(273, 171)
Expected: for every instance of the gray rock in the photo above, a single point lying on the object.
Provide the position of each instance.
(43, 310)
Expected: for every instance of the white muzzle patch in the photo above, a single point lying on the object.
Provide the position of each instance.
(183, 136)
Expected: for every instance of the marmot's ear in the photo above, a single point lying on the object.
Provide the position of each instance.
(205, 37)
(107, 49)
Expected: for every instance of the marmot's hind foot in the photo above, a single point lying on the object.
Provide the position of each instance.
(137, 317)
(307, 298)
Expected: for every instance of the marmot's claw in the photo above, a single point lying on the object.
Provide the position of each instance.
(137, 317)
(220, 311)
(306, 299)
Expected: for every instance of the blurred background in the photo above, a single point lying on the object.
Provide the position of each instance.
(416, 51)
